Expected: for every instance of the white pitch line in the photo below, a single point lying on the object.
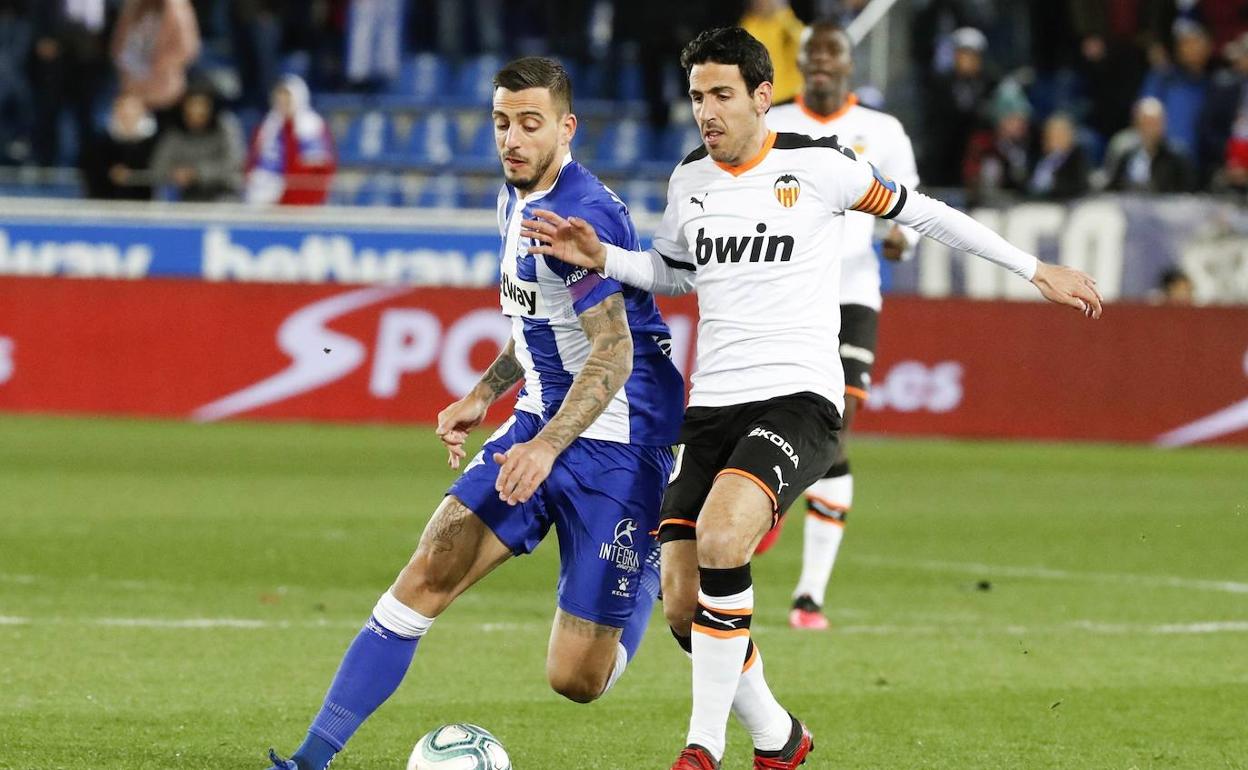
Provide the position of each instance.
(1046, 573)
(254, 624)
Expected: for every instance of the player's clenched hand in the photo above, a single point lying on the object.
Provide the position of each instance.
(894, 245)
(525, 467)
(569, 240)
(454, 424)
(1067, 286)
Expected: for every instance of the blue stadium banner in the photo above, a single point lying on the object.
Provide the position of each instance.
(295, 247)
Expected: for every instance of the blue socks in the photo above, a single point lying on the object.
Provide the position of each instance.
(647, 592)
(370, 672)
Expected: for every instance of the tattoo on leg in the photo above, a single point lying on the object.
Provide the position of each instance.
(448, 525)
(583, 627)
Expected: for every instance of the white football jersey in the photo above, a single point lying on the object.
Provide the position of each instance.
(761, 244)
(881, 140)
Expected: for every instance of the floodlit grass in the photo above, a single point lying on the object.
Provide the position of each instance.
(996, 606)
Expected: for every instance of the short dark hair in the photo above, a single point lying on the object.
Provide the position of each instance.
(1172, 275)
(537, 72)
(731, 45)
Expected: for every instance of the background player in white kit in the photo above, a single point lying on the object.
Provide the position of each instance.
(749, 220)
(826, 107)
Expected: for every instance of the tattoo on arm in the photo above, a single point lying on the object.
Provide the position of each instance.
(502, 374)
(609, 364)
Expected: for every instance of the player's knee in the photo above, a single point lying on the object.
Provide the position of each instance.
(579, 685)
(427, 582)
(680, 599)
(722, 547)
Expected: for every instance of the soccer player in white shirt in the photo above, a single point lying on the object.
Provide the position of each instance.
(827, 107)
(753, 222)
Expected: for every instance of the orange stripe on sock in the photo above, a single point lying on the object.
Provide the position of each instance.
(719, 633)
(753, 659)
(857, 392)
(738, 613)
(761, 484)
(824, 517)
(826, 503)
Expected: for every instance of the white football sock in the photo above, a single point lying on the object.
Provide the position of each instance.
(721, 635)
(396, 616)
(621, 663)
(830, 500)
(768, 724)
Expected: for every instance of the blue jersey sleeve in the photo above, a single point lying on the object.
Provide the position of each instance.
(611, 222)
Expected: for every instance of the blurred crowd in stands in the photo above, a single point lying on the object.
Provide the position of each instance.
(209, 100)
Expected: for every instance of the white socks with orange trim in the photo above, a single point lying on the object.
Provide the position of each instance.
(828, 502)
(721, 636)
(758, 710)
(754, 706)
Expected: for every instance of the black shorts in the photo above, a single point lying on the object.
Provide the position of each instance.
(860, 327)
(783, 445)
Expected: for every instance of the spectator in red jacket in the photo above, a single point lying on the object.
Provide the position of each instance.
(292, 156)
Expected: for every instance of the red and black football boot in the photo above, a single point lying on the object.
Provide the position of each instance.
(694, 757)
(801, 743)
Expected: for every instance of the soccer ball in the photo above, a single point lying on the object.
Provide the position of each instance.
(459, 747)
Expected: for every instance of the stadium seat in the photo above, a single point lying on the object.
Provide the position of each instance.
(368, 138)
(378, 189)
(628, 82)
(441, 191)
(475, 80)
(639, 196)
(431, 141)
(677, 142)
(423, 79)
(481, 143)
(623, 144)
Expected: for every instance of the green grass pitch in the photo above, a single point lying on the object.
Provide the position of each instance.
(178, 596)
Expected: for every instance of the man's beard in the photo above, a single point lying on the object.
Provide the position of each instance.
(527, 184)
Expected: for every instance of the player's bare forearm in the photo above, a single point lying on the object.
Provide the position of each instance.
(502, 374)
(609, 364)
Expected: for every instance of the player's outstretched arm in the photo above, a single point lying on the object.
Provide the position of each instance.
(1062, 285)
(610, 362)
(458, 419)
(574, 241)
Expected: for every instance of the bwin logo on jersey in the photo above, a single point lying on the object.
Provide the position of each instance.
(779, 441)
(787, 188)
(734, 248)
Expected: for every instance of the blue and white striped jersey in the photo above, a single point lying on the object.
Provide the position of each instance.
(544, 297)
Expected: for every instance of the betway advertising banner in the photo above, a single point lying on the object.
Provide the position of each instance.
(409, 248)
(210, 351)
(1124, 242)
